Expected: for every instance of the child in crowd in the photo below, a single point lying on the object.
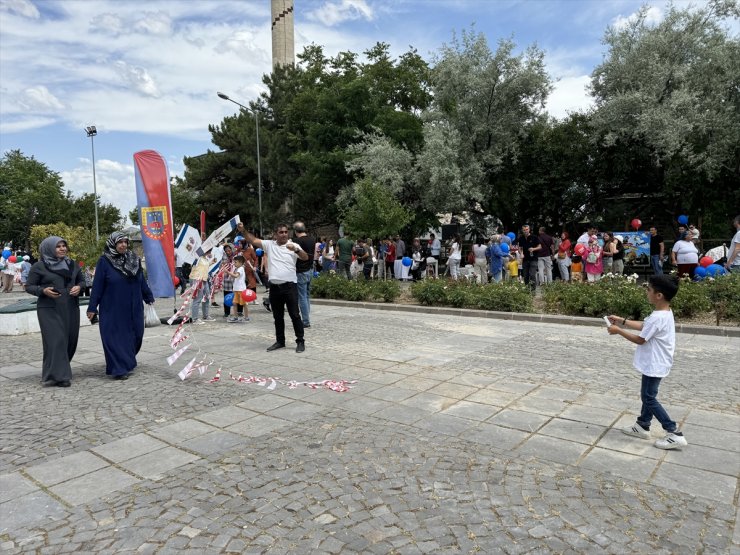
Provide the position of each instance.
(576, 268)
(656, 344)
(513, 266)
(239, 310)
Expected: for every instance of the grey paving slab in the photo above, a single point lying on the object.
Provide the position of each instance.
(578, 432)
(417, 383)
(182, 431)
(590, 415)
(706, 458)
(712, 437)
(37, 507)
(472, 411)
(615, 440)
(225, 416)
(66, 468)
(456, 391)
(701, 483)
(500, 437)
(93, 486)
(392, 393)
(403, 414)
(15, 485)
(19, 371)
(128, 447)
(429, 402)
(618, 463)
(552, 449)
(367, 405)
(157, 463)
(549, 407)
(258, 426)
(495, 397)
(519, 420)
(556, 393)
(297, 411)
(213, 442)
(264, 403)
(722, 421)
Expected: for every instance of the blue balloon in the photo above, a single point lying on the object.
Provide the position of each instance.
(321, 246)
(7, 253)
(700, 272)
(259, 252)
(504, 248)
(237, 239)
(511, 235)
(315, 273)
(714, 270)
(406, 261)
(683, 219)
(229, 299)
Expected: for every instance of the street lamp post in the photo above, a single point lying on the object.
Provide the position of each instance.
(259, 165)
(91, 132)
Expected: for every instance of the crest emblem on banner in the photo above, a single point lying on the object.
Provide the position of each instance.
(154, 221)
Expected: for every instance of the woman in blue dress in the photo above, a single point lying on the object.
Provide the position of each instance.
(119, 292)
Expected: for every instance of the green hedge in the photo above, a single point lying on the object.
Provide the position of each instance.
(507, 296)
(333, 286)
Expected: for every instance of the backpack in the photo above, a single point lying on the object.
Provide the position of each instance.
(592, 258)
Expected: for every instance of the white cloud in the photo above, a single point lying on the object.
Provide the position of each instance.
(138, 78)
(24, 124)
(107, 23)
(570, 94)
(332, 13)
(154, 23)
(653, 16)
(39, 99)
(23, 8)
(116, 183)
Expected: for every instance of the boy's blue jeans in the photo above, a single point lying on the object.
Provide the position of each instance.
(652, 407)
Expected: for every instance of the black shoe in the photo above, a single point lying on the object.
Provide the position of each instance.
(306, 326)
(64, 383)
(215, 304)
(123, 377)
(300, 347)
(275, 346)
(267, 306)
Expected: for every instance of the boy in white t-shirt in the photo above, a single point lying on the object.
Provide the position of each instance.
(240, 286)
(656, 344)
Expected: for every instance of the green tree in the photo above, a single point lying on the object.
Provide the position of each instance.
(81, 210)
(371, 210)
(81, 241)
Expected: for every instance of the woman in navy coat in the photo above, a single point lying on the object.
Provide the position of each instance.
(119, 292)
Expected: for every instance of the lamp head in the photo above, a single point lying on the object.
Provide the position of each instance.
(91, 131)
(222, 95)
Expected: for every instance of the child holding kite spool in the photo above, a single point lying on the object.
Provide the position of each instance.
(239, 310)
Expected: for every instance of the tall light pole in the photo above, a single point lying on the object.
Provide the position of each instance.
(259, 165)
(91, 132)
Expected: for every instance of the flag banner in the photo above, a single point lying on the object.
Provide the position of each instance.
(188, 241)
(217, 236)
(155, 217)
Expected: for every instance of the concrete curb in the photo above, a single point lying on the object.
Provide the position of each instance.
(722, 331)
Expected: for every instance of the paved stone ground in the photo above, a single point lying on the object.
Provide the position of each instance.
(462, 435)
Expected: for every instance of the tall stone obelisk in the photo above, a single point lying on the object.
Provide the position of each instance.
(283, 47)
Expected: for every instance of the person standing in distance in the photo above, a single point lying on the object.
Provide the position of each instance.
(304, 271)
(657, 250)
(344, 256)
(733, 255)
(282, 254)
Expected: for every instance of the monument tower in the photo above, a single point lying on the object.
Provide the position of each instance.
(283, 48)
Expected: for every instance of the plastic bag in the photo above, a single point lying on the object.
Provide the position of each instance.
(150, 316)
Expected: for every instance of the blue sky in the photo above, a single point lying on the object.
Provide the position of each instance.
(146, 72)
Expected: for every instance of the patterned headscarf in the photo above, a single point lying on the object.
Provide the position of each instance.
(128, 263)
(48, 250)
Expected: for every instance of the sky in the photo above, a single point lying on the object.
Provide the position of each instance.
(146, 72)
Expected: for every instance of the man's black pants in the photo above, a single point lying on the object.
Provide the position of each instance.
(282, 296)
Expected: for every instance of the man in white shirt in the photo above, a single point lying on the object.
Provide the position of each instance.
(282, 254)
(733, 256)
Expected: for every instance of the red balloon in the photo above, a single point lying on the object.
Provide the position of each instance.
(579, 249)
(12, 259)
(81, 263)
(248, 295)
(705, 262)
(176, 281)
(636, 224)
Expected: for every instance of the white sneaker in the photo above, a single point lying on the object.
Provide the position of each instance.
(209, 319)
(232, 320)
(671, 441)
(198, 322)
(636, 431)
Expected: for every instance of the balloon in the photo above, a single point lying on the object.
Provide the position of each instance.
(315, 273)
(237, 239)
(321, 246)
(12, 259)
(580, 249)
(700, 272)
(7, 253)
(406, 261)
(511, 235)
(259, 252)
(81, 263)
(176, 281)
(248, 296)
(229, 299)
(714, 270)
(705, 261)
(683, 219)
(504, 248)
(636, 223)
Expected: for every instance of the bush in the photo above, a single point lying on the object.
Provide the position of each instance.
(611, 295)
(724, 295)
(333, 286)
(509, 296)
(692, 299)
(505, 296)
(430, 292)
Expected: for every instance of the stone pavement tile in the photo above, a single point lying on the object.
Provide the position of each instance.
(405, 369)
(19, 371)
(615, 440)
(258, 426)
(474, 379)
(182, 431)
(417, 384)
(456, 391)
(399, 356)
(701, 483)
(432, 360)
(213, 442)
(429, 402)
(402, 414)
(552, 449)
(719, 420)
(439, 374)
(549, 407)
(377, 364)
(36, 507)
(503, 439)
(556, 393)
(153, 465)
(494, 397)
(574, 431)
(519, 420)
(446, 424)
(264, 403)
(611, 402)
(624, 465)
(392, 393)
(382, 378)
(706, 458)
(297, 411)
(128, 447)
(712, 437)
(590, 415)
(225, 416)
(521, 388)
(93, 486)
(472, 411)
(66, 468)
(367, 405)
(14, 485)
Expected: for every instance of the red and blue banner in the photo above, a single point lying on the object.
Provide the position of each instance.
(155, 217)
